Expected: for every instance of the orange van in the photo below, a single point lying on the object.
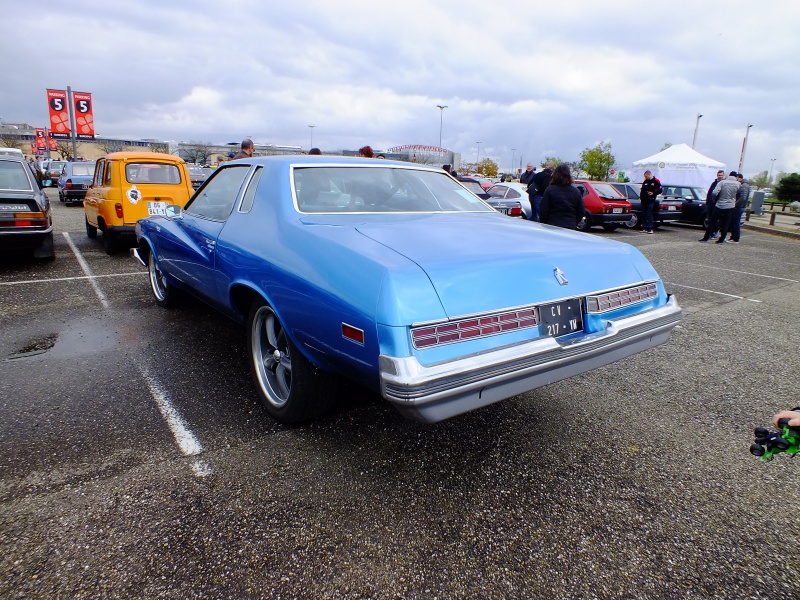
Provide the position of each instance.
(128, 186)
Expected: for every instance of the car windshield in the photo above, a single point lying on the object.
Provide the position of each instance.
(380, 189)
(13, 177)
(86, 169)
(141, 172)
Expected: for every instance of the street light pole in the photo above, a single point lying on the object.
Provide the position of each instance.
(772, 164)
(478, 155)
(696, 123)
(441, 108)
(311, 127)
(513, 172)
(744, 146)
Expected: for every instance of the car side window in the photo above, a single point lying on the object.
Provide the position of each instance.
(250, 193)
(109, 170)
(512, 194)
(219, 194)
(98, 173)
(582, 190)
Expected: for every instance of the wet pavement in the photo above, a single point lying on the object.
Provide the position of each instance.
(135, 460)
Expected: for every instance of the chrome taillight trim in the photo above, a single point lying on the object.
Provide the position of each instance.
(599, 303)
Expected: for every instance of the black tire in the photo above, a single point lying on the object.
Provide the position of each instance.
(165, 294)
(610, 226)
(110, 242)
(634, 221)
(289, 386)
(585, 223)
(91, 230)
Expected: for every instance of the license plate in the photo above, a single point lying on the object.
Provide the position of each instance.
(156, 208)
(672, 208)
(561, 318)
(616, 210)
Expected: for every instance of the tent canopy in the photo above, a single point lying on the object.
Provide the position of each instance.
(678, 165)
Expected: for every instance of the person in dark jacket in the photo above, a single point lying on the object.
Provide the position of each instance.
(651, 188)
(541, 180)
(526, 179)
(562, 204)
(742, 196)
(711, 200)
(246, 151)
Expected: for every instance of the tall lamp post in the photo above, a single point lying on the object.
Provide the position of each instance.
(441, 108)
(311, 127)
(513, 171)
(478, 155)
(772, 164)
(744, 146)
(696, 123)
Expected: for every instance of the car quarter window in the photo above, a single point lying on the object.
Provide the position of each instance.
(250, 193)
(582, 189)
(98, 173)
(219, 194)
(380, 189)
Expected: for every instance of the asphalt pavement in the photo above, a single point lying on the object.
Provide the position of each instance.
(135, 460)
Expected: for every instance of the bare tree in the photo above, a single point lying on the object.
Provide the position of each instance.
(10, 140)
(109, 146)
(196, 152)
(162, 147)
(65, 150)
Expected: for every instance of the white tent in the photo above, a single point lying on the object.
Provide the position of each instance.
(678, 165)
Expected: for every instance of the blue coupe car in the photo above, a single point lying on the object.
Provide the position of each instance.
(394, 275)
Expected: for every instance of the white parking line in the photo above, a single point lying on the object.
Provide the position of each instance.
(80, 277)
(689, 287)
(187, 442)
(85, 266)
(741, 272)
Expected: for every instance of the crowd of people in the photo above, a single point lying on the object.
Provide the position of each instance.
(726, 202)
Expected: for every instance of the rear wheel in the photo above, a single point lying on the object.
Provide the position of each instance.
(166, 295)
(633, 222)
(585, 224)
(91, 230)
(289, 386)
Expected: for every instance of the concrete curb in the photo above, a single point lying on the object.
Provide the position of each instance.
(772, 230)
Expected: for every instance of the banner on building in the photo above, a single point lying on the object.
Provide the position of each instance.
(84, 117)
(59, 113)
(41, 139)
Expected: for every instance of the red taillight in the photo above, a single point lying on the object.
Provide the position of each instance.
(68, 185)
(118, 208)
(26, 219)
(456, 331)
(515, 211)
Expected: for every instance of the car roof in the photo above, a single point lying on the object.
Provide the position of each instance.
(142, 156)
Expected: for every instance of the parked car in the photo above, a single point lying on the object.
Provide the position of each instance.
(128, 186)
(512, 191)
(75, 179)
(51, 171)
(26, 225)
(198, 174)
(512, 208)
(669, 209)
(389, 275)
(693, 202)
(604, 205)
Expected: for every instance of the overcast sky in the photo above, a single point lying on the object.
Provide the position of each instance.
(546, 79)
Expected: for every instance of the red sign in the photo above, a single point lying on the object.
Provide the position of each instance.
(612, 171)
(84, 116)
(59, 115)
(52, 144)
(41, 140)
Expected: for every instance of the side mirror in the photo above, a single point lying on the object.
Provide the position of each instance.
(174, 211)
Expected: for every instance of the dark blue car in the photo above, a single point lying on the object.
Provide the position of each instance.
(394, 275)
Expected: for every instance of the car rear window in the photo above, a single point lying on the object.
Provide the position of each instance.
(380, 189)
(144, 172)
(87, 170)
(13, 176)
(606, 190)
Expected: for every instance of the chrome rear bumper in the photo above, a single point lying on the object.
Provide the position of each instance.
(436, 392)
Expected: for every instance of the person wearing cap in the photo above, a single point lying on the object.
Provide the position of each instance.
(725, 195)
(247, 149)
(742, 196)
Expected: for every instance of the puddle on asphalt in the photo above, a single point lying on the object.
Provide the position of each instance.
(78, 338)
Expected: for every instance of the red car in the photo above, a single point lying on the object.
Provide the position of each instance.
(604, 204)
